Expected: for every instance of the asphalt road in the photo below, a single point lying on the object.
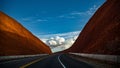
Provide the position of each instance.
(52, 61)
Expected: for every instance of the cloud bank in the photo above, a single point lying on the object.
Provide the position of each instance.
(58, 42)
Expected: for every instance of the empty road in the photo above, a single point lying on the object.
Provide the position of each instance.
(52, 61)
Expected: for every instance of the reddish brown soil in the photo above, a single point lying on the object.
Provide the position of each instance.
(101, 34)
(17, 40)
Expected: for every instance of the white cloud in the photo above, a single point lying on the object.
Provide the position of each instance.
(33, 19)
(69, 42)
(56, 41)
(58, 48)
(61, 41)
(91, 11)
(71, 17)
(65, 35)
(27, 19)
(75, 14)
(41, 20)
(66, 16)
(61, 16)
(44, 40)
(52, 42)
(65, 45)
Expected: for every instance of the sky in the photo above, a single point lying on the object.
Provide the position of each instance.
(56, 22)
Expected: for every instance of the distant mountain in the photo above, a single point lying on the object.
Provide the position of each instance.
(101, 34)
(17, 40)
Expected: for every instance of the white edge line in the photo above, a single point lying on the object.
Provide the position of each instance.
(61, 62)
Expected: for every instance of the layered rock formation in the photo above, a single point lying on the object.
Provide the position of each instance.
(101, 34)
(17, 40)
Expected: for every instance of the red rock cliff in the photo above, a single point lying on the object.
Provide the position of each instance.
(17, 40)
(101, 34)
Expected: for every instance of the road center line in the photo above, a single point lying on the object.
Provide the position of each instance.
(61, 62)
(30, 63)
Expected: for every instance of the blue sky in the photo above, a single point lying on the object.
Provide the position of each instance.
(50, 16)
(46, 17)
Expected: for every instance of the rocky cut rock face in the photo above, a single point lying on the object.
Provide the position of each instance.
(101, 35)
(17, 40)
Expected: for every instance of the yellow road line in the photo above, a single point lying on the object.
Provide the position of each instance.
(32, 62)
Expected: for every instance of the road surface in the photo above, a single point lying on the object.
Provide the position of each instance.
(52, 61)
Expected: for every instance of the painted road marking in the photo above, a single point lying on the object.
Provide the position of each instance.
(61, 62)
(32, 62)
